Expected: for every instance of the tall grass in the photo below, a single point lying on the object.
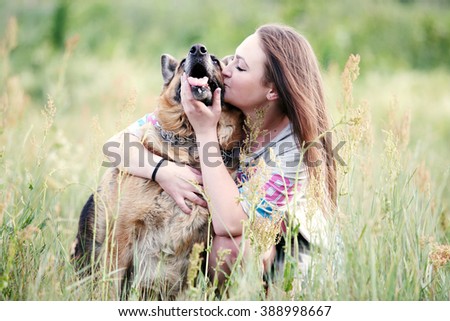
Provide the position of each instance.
(393, 214)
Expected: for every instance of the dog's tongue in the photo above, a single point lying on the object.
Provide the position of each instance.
(198, 82)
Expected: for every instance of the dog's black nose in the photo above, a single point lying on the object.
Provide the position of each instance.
(198, 50)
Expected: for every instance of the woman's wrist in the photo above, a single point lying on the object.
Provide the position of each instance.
(159, 173)
(156, 169)
(206, 136)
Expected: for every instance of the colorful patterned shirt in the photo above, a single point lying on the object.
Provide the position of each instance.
(284, 176)
(282, 184)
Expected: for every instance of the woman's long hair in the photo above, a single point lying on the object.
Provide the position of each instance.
(293, 68)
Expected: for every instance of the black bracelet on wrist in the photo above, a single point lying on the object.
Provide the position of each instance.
(156, 168)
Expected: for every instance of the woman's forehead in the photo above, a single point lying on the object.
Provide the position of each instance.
(250, 50)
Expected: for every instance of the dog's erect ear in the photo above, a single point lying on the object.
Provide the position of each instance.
(168, 66)
(227, 59)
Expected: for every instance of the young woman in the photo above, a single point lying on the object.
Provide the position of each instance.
(274, 71)
(275, 80)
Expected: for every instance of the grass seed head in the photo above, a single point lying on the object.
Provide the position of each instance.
(439, 255)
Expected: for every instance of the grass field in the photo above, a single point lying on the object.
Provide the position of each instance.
(393, 189)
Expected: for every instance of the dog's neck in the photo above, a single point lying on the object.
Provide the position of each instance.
(173, 138)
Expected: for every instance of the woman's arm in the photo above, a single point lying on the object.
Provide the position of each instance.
(220, 188)
(223, 194)
(128, 153)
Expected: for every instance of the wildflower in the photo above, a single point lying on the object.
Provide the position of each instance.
(423, 180)
(27, 233)
(71, 43)
(391, 156)
(127, 109)
(405, 129)
(439, 255)
(401, 128)
(195, 261)
(349, 75)
(10, 38)
(49, 113)
(264, 232)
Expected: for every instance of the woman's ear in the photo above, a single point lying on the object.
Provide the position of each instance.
(272, 94)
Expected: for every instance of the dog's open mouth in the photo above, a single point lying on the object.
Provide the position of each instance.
(198, 80)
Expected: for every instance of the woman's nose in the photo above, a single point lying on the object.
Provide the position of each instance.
(226, 71)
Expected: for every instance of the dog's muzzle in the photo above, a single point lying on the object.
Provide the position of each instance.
(199, 69)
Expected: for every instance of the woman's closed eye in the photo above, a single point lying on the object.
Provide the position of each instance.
(240, 66)
(238, 63)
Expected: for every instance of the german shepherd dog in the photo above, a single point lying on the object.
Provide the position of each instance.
(130, 225)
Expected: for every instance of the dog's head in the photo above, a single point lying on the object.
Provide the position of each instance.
(204, 73)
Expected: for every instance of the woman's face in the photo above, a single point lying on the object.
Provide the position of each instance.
(243, 76)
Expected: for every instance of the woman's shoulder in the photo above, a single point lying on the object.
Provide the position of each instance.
(284, 151)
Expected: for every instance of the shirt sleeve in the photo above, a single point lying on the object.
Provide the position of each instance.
(136, 128)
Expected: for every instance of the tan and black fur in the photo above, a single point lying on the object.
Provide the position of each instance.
(130, 222)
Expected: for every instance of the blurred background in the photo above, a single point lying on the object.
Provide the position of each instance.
(95, 57)
(388, 34)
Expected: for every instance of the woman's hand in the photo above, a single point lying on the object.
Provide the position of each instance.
(203, 118)
(181, 182)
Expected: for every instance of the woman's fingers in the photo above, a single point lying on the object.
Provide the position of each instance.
(203, 119)
(197, 176)
(189, 102)
(196, 199)
(217, 101)
(182, 205)
(182, 183)
(186, 94)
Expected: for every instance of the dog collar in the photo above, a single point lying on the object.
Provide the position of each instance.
(174, 139)
(228, 156)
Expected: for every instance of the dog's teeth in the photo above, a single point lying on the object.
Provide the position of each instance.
(199, 90)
